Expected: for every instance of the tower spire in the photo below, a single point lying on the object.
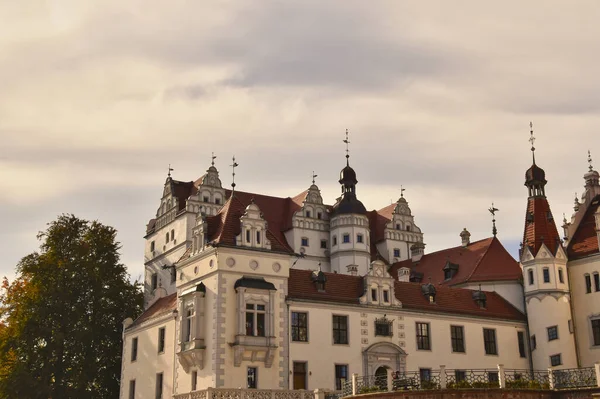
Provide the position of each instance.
(313, 177)
(590, 161)
(213, 157)
(233, 166)
(170, 170)
(347, 149)
(532, 141)
(402, 190)
(493, 211)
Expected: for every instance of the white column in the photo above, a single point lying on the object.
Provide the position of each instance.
(597, 369)
(501, 376)
(551, 378)
(443, 381)
(390, 380)
(354, 376)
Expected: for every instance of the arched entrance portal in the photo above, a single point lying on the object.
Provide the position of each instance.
(381, 378)
(381, 356)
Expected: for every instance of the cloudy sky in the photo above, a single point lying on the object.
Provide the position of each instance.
(97, 100)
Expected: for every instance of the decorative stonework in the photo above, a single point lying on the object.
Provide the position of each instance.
(230, 262)
(276, 267)
(253, 265)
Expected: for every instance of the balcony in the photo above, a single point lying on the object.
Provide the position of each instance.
(254, 348)
(191, 354)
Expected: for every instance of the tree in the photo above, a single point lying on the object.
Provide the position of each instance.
(61, 318)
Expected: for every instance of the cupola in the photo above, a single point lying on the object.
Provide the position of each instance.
(465, 237)
(348, 203)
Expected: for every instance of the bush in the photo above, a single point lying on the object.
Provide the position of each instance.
(369, 389)
(463, 384)
(429, 385)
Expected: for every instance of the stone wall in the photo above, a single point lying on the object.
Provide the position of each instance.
(486, 394)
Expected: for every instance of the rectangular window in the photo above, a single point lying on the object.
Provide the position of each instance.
(334, 240)
(304, 242)
(386, 296)
(159, 386)
(194, 380)
(359, 238)
(167, 238)
(323, 244)
(172, 235)
(299, 327)
(552, 333)
(340, 330)
(188, 327)
(134, 349)
(597, 282)
(460, 375)
(341, 375)
(319, 215)
(588, 284)
(396, 252)
(546, 273)
(533, 342)
(561, 277)
(383, 328)
(373, 294)
(307, 214)
(154, 281)
(205, 198)
(252, 377)
(489, 341)
(161, 340)
(248, 236)
(299, 375)
(423, 341)
(530, 276)
(218, 201)
(425, 374)
(596, 331)
(152, 246)
(346, 238)
(132, 389)
(258, 237)
(457, 336)
(555, 360)
(570, 325)
(255, 320)
(521, 340)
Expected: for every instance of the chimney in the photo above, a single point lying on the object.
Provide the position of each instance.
(352, 270)
(404, 274)
(416, 251)
(465, 237)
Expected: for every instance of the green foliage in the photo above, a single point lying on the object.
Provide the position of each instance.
(369, 389)
(481, 384)
(60, 319)
(525, 384)
(429, 385)
(463, 384)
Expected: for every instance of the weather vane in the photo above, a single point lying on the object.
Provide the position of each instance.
(347, 150)
(402, 190)
(233, 166)
(590, 160)
(532, 140)
(213, 157)
(313, 177)
(493, 211)
(170, 170)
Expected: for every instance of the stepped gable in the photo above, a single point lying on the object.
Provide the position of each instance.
(166, 304)
(585, 238)
(182, 190)
(483, 260)
(540, 228)
(342, 288)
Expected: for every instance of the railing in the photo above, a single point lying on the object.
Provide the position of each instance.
(472, 379)
(226, 393)
(575, 378)
(527, 379)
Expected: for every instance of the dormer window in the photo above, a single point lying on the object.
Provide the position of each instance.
(218, 201)
(480, 298)
(319, 278)
(429, 292)
(408, 227)
(529, 217)
(450, 270)
(383, 327)
(549, 216)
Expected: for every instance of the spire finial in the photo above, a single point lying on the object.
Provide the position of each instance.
(233, 166)
(347, 149)
(532, 141)
(213, 157)
(590, 161)
(402, 190)
(493, 211)
(170, 170)
(313, 177)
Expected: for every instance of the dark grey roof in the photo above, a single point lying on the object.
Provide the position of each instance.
(256, 283)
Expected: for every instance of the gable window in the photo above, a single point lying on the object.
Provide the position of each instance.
(167, 238)
(561, 277)
(596, 282)
(299, 327)
(132, 389)
(396, 252)
(161, 340)
(359, 238)
(159, 386)
(307, 214)
(552, 333)
(248, 235)
(383, 327)
(323, 244)
(304, 242)
(341, 375)
(533, 342)
(334, 240)
(154, 281)
(530, 276)
(596, 331)
(457, 336)
(255, 320)
(408, 227)
(374, 294)
(258, 237)
(152, 246)
(340, 330)
(521, 340)
(346, 238)
(423, 341)
(386, 296)
(489, 341)
(556, 360)
(134, 349)
(252, 377)
(546, 273)
(588, 284)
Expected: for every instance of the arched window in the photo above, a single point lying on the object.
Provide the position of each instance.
(530, 276)
(258, 237)
(596, 281)
(588, 283)
(167, 237)
(172, 235)
(561, 277)
(334, 240)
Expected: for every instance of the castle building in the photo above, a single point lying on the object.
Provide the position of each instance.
(254, 291)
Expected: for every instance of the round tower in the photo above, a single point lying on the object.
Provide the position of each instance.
(545, 280)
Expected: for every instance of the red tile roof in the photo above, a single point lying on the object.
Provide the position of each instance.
(541, 229)
(484, 260)
(585, 238)
(341, 288)
(166, 304)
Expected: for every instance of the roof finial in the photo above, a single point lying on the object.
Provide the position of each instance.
(493, 211)
(532, 141)
(170, 170)
(402, 190)
(233, 166)
(313, 177)
(590, 161)
(347, 150)
(213, 157)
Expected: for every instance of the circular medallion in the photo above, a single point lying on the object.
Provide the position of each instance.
(195, 269)
(230, 262)
(253, 265)
(276, 267)
(211, 263)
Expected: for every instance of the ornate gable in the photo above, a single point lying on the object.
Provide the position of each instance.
(379, 287)
(253, 229)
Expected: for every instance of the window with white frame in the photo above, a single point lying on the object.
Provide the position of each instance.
(304, 242)
(188, 325)
(359, 238)
(346, 238)
(255, 319)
